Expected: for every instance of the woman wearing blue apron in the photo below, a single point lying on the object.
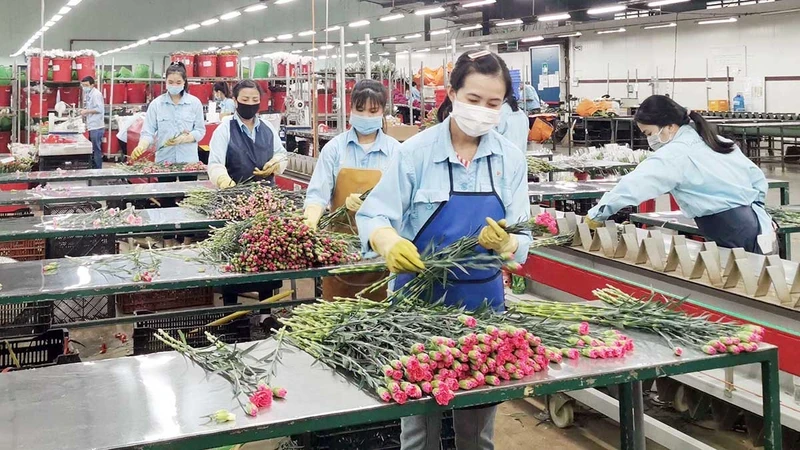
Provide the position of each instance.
(514, 124)
(710, 179)
(245, 147)
(458, 179)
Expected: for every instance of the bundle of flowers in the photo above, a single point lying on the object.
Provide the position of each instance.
(148, 167)
(248, 379)
(415, 349)
(660, 316)
(17, 165)
(339, 216)
(243, 201)
(275, 242)
(227, 52)
(460, 257)
(103, 217)
(538, 165)
(86, 52)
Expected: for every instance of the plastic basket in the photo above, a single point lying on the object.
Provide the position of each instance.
(163, 300)
(47, 349)
(74, 246)
(144, 342)
(69, 162)
(25, 250)
(80, 309)
(380, 435)
(21, 212)
(53, 209)
(23, 319)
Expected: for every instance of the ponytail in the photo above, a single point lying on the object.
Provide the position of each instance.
(662, 111)
(444, 109)
(709, 137)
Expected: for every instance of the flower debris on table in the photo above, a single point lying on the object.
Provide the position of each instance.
(150, 167)
(103, 217)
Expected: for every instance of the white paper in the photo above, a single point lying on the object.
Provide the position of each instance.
(553, 80)
(540, 87)
(543, 81)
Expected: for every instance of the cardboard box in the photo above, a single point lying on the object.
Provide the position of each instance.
(401, 132)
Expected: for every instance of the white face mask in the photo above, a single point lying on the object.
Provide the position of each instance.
(654, 140)
(474, 120)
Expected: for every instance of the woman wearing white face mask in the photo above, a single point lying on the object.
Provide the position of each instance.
(711, 180)
(451, 181)
(348, 166)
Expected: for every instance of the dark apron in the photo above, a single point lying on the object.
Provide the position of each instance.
(735, 228)
(244, 155)
(463, 215)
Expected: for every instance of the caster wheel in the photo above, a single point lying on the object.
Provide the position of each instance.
(562, 410)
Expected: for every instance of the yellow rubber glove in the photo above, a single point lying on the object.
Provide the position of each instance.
(353, 202)
(494, 237)
(225, 181)
(269, 168)
(184, 138)
(592, 224)
(312, 214)
(401, 254)
(138, 152)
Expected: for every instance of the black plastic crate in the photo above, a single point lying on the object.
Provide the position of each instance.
(47, 349)
(21, 212)
(380, 435)
(75, 246)
(80, 309)
(144, 342)
(65, 162)
(70, 208)
(25, 319)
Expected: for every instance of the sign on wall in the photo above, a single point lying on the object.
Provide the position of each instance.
(546, 72)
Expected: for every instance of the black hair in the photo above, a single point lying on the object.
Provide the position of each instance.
(179, 68)
(483, 62)
(246, 84)
(369, 90)
(512, 102)
(223, 87)
(414, 83)
(88, 79)
(662, 111)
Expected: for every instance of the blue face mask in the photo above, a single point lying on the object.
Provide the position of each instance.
(366, 125)
(87, 90)
(174, 90)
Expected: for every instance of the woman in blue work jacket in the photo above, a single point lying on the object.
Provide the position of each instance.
(244, 147)
(174, 121)
(514, 124)
(710, 178)
(460, 178)
(222, 95)
(348, 166)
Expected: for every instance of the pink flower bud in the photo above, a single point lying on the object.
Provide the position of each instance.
(678, 351)
(279, 392)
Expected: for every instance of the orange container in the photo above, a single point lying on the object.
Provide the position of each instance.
(718, 105)
(227, 65)
(62, 70)
(85, 67)
(207, 66)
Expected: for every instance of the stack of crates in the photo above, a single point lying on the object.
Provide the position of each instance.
(380, 435)
(46, 349)
(193, 328)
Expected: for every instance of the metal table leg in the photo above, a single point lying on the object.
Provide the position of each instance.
(626, 422)
(785, 246)
(773, 437)
(639, 439)
(784, 195)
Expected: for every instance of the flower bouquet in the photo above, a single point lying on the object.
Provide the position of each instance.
(149, 167)
(243, 201)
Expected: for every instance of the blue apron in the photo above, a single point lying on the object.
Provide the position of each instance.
(463, 215)
(735, 228)
(244, 155)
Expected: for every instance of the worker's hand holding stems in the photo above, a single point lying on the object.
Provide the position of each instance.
(401, 254)
(494, 237)
(270, 167)
(312, 214)
(353, 202)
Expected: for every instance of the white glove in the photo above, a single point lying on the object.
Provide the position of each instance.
(353, 202)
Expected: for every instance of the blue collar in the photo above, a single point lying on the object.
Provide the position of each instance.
(243, 126)
(380, 143)
(443, 150)
(168, 99)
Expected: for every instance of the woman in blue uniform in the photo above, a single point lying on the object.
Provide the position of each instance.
(349, 165)
(514, 124)
(460, 178)
(222, 95)
(710, 179)
(245, 147)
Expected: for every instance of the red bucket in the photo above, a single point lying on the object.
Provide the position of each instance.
(324, 103)
(51, 97)
(62, 70)
(71, 95)
(202, 91)
(85, 67)
(119, 93)
(33, 68)
(266, 95)
(136, 93)
(38, 106)
(207, 66)
(281, 70)
(187, 60)
(5, 95)
(227, 65)
(114, 145)
(5, 139)
(158, 89)
(305, 68)
(278, 101)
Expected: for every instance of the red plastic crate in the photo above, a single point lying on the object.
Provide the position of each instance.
(163, 300)
(25, 250)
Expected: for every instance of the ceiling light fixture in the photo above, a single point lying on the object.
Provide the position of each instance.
(716, 21)
(424, 50)
(365, 42)
(666, 25)
(297, 51)
(575, 34)
(326, 47)
(283, 37)
(225, 47)
(391, 17)
(478, 3)
(57, 17)
(230, 15)
(191, 27)
(384, 54)
(176, 31)
(447, 47)
(269, 39)
(473, 45)
(252, 42)
(389, 39)
(438, 32)
(509, 23)
(352, 55)
(349, 44)
(533, 39)
(238, 45)
(664, 3)
(307, 33)
(333, 28)
(554, 17)
(618, 30)
(477, 26)
(358, 23)
(254, 8)
(427, 11)
(209, 22)
(163, 35)
(606, 10)
(73, 2)
(282, 2)
(412, 36)
(64, 10)
(141, 42)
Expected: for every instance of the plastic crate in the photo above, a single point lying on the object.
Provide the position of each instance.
(24, 250)
(80, 309)
(53, 209)
(47, 349)
(163, 300)
(380, 435)
(144, 342)
(20, 212)
(24, 319)
(74, 246)
(68, 162)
